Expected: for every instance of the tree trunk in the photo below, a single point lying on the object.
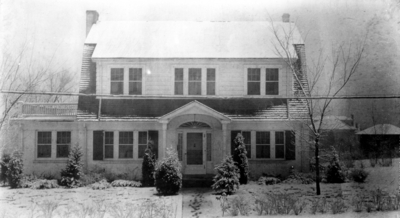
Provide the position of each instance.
(317, 165)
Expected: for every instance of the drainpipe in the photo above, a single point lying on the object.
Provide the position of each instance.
(86, 146)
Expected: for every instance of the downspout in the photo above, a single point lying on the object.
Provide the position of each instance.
(86, 146)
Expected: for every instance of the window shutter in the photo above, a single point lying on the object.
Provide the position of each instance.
(233, 136)
(290, 145)
(98, 145)
(153, 135)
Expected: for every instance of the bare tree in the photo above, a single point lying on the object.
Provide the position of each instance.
(24, 71)
(337, 68)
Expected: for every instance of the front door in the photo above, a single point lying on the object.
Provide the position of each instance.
(195, 153)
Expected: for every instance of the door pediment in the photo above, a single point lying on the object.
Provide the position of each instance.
(194, 107)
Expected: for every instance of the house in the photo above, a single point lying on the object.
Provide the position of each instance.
(381, 140)
(188, 85)
(340, 132)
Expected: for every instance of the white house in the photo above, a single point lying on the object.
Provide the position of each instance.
(187, 85)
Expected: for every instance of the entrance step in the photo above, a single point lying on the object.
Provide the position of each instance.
(201, 180)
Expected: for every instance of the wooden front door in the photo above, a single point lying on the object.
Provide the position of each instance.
(195, 153)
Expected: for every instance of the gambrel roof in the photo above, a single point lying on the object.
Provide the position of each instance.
(190, 39)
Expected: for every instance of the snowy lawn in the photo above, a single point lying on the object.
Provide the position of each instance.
(201, 202)
(85, 202)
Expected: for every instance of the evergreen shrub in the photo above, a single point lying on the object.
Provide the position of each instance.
(71, 175)
(168, 176)
(15, 170)
(335, 172)
(240, 159)
(359, 175)
(148, 166)
(5, 159)
(227, 178)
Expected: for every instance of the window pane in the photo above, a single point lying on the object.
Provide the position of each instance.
(279, 138)
(253, 74)
(142, 149)
(178, 88)
(210, 88)
(62, 150)
(210, 74)
(109, 145)
(117, 74)
(178, 74)
(194, 88)
(272, 74)
(63, 137)
(108, 151)
(109, 138)
(194, 74)
(135, 88)
(263, 151)
(44, 150)
(143, 138)
(135, 74)
(125, 151)
(272, 88)
(279, 151)
(44, 137)
(253, 88)
(262, 138)
(117, 88)
(125, 137)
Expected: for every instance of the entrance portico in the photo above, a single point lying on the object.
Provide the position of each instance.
(199, 134)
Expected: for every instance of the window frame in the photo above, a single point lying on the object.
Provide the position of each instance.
(68, 144)
(261, 144)
(117, 81)
(186, 78)
(283, 79)
(250, 81)
(126, 144)
(53, 144)
(105, 144)
(106, 81)
(132, 80)
(210, 82)
(270, 81)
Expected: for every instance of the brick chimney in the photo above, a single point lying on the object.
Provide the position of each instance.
(91, 18)
(286, 18)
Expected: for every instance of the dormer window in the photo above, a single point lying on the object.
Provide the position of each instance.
(117, 81)
(262, 81)
(126, 81)
(195, 81)
(135, 81)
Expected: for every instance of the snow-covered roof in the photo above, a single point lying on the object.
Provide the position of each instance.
(381, 129)
(190, 39)
(335, 123)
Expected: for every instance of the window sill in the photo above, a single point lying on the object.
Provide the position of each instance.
(119, 161)
(267, 160)
(64, 160)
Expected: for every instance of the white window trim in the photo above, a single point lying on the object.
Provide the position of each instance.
(53, 155)
(272, 144)
(263, 78)
(186, 79)
(126, 77)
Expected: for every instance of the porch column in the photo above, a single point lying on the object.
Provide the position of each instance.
(224, 138)
(164, 139)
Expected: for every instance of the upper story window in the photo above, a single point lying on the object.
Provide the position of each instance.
(117, 81)
(194, 81)
(271, 81)
(262, 81)
(210, 81)
(126, 81)
(135, 81)
(253, 81)
(178, 81)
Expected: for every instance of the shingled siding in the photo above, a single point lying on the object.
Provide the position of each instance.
(256, 108)
(88, 71)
